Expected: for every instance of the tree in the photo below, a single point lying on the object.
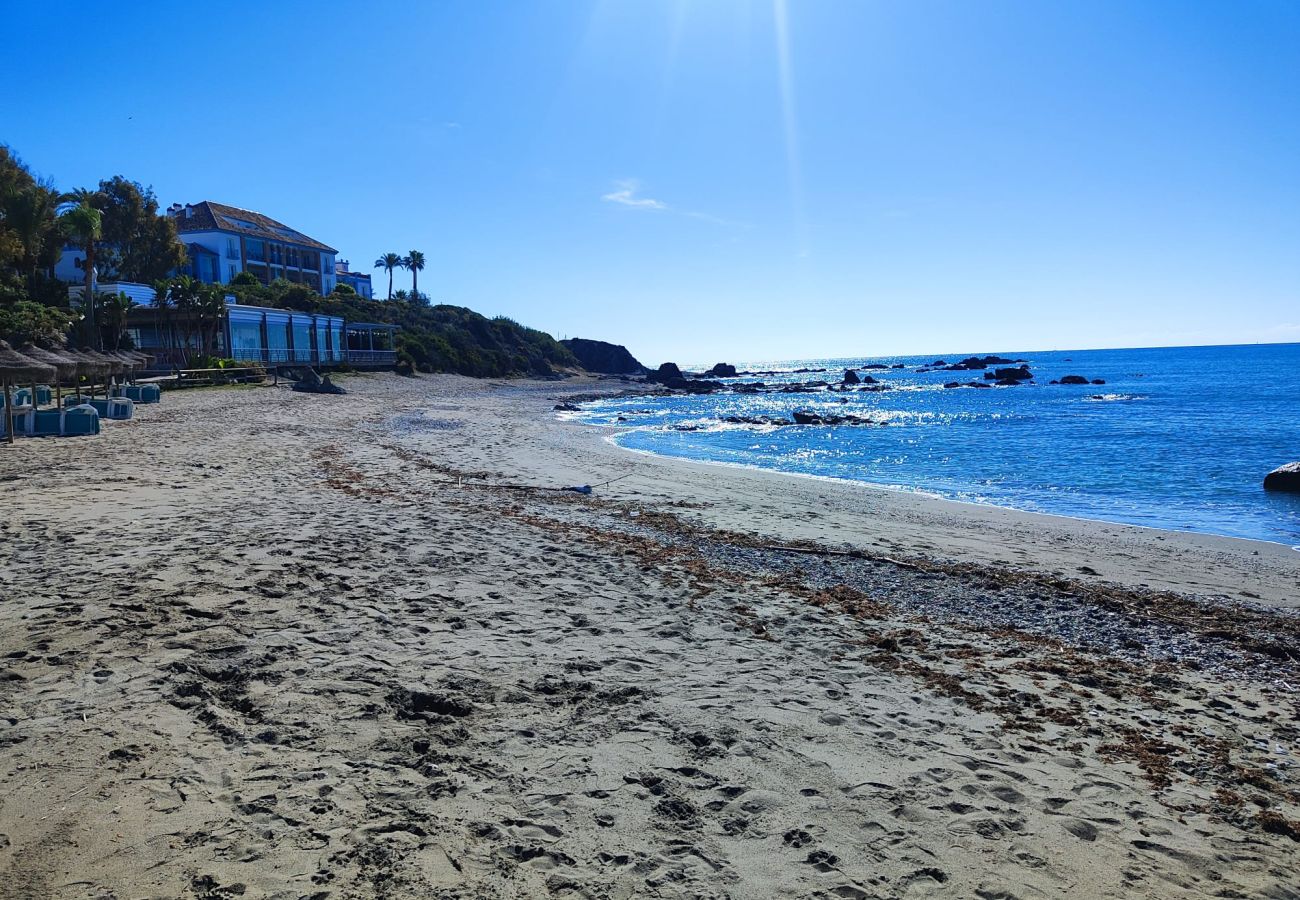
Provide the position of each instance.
(115, 308)
(389, 261)
(30, 216)
(83, 225)
(400, 295)
(244, 279)
(211, 306)
(25, 321)
(139, 244)
(166, 304)
(184, 292)
(414, 261)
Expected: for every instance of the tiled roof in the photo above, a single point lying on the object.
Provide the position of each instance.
(209, 216)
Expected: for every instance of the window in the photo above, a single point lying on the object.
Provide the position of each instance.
(233, 272)
(232, 248)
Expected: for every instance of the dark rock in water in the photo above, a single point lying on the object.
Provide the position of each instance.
(599, 356)
(693, 385)
(938, 362)
(755, 420)
(664, 372)
(953, 384)
(566, 407)
(874, 366)
(898, 366)
(802, 417)
(1099, 381)
(723, 370)
(1072, 379)
(851, 377)
(1011, 375)
(1284, 478)
(977, 362)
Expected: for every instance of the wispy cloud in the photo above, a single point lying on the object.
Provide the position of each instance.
(625, 194)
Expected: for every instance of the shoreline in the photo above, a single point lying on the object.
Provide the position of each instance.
(1185, 562)
(368, 645)
(927, 494)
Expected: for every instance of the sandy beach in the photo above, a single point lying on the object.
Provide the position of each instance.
(265, 644)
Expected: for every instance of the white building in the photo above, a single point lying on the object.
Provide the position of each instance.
(225, 240)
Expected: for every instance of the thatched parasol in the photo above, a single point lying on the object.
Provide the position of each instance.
(87, 367)
(103, 366)
(14, 367)
(65, 367)
(107, 366)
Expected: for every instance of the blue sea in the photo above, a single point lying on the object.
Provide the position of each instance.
(1177, 438)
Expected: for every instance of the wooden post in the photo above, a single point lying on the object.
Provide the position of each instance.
(9, 414)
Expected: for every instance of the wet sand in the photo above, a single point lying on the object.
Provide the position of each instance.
(263, 644)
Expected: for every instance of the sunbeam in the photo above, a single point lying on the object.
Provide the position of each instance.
(789, 122)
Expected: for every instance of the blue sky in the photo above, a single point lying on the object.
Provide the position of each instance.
(725, 179)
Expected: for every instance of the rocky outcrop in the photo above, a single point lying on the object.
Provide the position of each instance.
(803, 417)
(694, 385)
(1284, 478)
(1009, 376)
(976, 362)
(722, 370)
(664, 373)
(311, 383)
(756, 420)
(851, 377)
(1077, 379)
(604, 358)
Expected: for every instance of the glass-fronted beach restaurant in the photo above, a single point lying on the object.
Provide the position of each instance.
(258, 334)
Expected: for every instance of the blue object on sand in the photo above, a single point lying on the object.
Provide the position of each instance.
(46, 423)
(81, 420)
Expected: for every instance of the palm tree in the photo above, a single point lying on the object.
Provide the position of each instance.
(211, 306)
(166, 304)
(389, 261)
(401, 294)
(83, 225)
(415, 262)
(30, 214)
(115, 309)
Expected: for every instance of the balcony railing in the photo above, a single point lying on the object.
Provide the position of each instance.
(286, 355)
(372, 357)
